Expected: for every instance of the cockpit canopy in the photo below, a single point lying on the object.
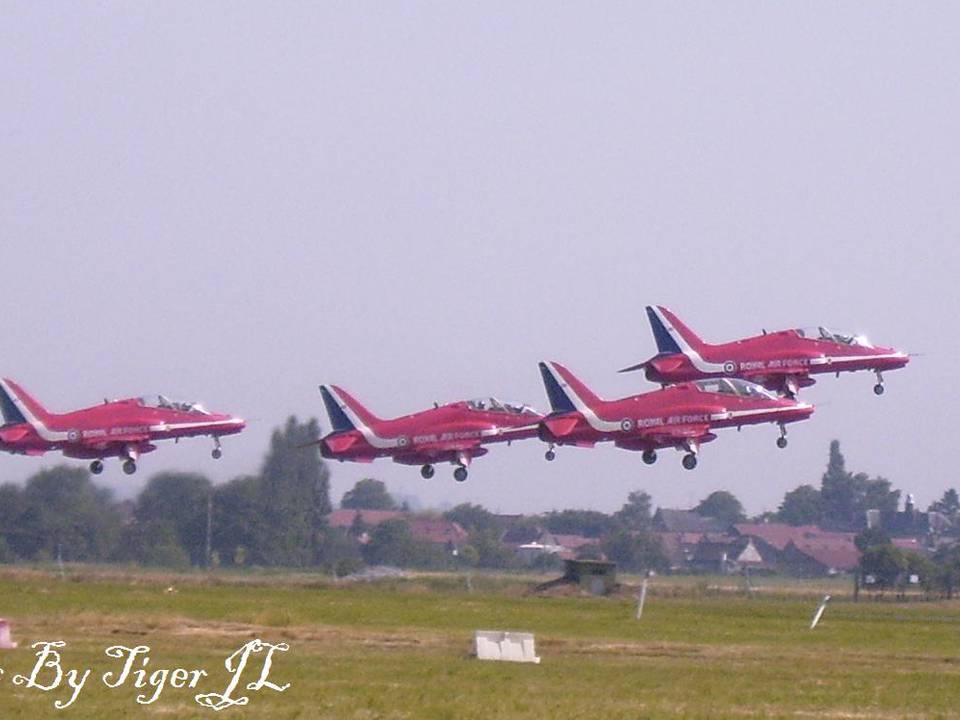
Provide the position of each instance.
(735, 386)
(841, 338)
(492, 404)
(162, 402)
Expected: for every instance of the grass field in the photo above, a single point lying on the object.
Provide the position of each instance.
(401, 649)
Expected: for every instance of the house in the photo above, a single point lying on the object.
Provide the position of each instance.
(566, 547)
(911, 522)
(733, 556)
(680, 548)
(435, 530)
(686, 521)
(346, 518)
(822, 555)
(779, 535)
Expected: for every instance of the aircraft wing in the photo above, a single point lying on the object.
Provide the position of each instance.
(108, 440)
(449, 446)
(441, 451)
(675, 434)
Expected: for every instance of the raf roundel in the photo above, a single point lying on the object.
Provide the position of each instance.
(626, 424)
(403, 441)
(73, 435)
(729, 367)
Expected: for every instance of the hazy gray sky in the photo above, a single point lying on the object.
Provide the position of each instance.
(419, 201)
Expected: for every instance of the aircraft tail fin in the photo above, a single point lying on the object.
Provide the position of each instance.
(565, 391)
(671, 334)
(344, 410)
(18, 406)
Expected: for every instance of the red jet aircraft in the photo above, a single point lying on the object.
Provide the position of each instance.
(122, 428)
(680, 416)
(782, 361)
(449, 433)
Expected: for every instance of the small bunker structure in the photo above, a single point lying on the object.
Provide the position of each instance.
(596, 577)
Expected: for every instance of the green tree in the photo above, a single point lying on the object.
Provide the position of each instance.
(871, 537)
(391, 543)
(838, 490)
(12, 508)
(236, 517)
(801, 506)
(722, 505)
(64, 513)
(368, 494)
(491, 553)
(885, 563)
(948, 504)
(847, 496)
(635, 551)
(294, 498)
(636, 512)
(589, 523)
(178, 501)
(473, 518)
(877, 494)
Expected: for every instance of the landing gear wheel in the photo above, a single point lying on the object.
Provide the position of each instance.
(96, 467)
(781, 442)
(878, 389)
(426, 472)
(649, 456)
(550, 455)
(460, 474)
(689, 461)
(129, 467)
(216, 453)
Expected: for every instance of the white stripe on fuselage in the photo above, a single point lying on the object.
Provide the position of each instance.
(51, 436)
(167, 427)
(698, 362)
(840, 359)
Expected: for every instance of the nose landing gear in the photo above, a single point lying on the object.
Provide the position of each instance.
(129, 467)
(216, 453)
(460, 474)
(878, 388)
(782, 440)
(649, 456)
(96, 467)
(426, 472)
(689, 461)
(550, 455)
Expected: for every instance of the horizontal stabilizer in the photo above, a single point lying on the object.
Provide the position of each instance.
(561, 426)
(14, 434)
(341, 443)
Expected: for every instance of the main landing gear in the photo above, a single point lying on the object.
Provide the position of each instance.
(129, 467)
(460, 474)
(689, 461)
(426, 472)
(96, 467)
(216, 453)
(650, 456)
(782, 440)
(878, 388)
(550, 455)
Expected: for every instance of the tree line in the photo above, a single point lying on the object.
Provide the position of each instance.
(279, 518)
